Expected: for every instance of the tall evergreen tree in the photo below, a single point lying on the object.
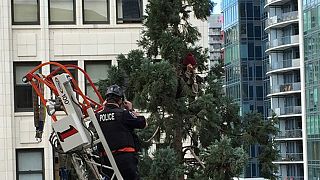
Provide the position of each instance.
(154, 80)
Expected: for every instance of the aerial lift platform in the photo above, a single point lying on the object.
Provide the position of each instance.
(71, 132)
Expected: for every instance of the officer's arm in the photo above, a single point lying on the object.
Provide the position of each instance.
(133, 121)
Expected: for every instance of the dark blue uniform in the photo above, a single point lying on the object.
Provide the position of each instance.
(118, 126)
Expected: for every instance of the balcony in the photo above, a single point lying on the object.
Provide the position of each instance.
(287, 111)
(290, 157)
(290, 178)
(215, 49)
(283, 43)
(296, 133)
(275, 2)
(215, 41)
(288, 64)
(282, 20)
(285, 88)
(214, 33)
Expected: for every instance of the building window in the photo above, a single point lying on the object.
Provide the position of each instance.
(72, 70)
(30, 164)
(22, 91)
(95, 11)
(97, 70)
(25, 12)
(129, 11)
(62, 12)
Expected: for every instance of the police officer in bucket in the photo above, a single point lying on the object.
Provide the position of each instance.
(118, 121)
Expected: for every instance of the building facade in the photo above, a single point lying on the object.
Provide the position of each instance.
(311, 32)
(282, 26)
(243, 59)
(87, 33)
(215, 38)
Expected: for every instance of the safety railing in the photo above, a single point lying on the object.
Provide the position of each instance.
(295, 133)
(283, 41)
(288, 110)
(290, 178)
(291, 157)
(282, 18)
(286, 87)
(284, 64)
(214, 32)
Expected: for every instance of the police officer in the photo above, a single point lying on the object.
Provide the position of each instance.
(118, 126)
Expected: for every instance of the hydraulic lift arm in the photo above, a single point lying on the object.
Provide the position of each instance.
(71, 131)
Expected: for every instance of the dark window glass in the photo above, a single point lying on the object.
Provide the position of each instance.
(25, 12)
(250, 50)
(22, 91)
(62, 12)
(250, 92)
(258, 52)
(250, 29)
(260, 109)
(254, 170)
(257, 31)
(257, 12)
(129, 11)
(242, 10)
(245, 90)
(259, 92)
(258, 72)
(249, 10)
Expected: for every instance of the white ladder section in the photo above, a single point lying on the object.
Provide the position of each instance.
(73, 135)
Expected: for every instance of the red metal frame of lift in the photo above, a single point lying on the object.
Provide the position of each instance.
(34, 79)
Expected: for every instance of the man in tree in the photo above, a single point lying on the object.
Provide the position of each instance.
(118, 126)
(188, 72)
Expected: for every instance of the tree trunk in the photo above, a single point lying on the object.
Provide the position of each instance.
(177, 146)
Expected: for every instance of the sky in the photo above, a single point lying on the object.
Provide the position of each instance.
(216, 9)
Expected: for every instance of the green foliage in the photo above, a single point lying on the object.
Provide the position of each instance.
(223, 160)
(151, 79)
(163, 166)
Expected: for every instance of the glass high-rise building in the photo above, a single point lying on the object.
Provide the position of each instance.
(282, 26)
(244, 66)
(311, 26)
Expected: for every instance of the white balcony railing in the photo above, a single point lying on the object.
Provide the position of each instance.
(290, 178)
(286, 87)
(282, 18)
(288, 110)
(283, 41)
(289, 63)
(295, 133)
(291, 157)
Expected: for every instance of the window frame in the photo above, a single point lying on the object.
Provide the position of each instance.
(94, 62)
(35, 63)
(40, 150)
(27, 22)
(96, 22)
(130, 21)
(74, 22)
